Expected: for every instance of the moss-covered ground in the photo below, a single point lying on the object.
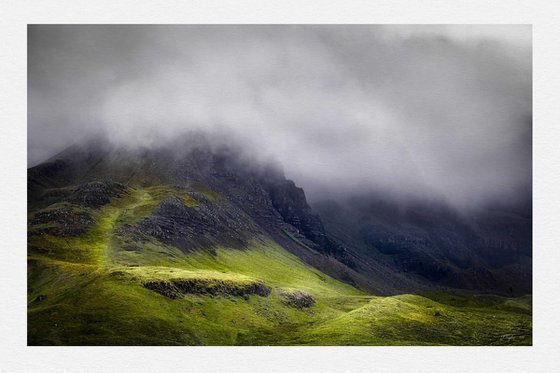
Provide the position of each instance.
(87, 290)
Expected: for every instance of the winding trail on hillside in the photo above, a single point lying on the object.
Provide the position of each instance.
(112, 213)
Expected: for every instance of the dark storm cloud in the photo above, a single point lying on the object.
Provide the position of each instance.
(423, 111)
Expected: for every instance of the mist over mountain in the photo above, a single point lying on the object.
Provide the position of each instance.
(412, 112)
(279, 185)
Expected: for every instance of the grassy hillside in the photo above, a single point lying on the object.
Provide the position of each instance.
(95, 288)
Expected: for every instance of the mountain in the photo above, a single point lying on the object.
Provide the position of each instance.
(487, 249)
(194, 243)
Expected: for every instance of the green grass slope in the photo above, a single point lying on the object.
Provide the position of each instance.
(91, 290)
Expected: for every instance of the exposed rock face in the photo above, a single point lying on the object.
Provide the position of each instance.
(69, 210)
(207, 225)
(96, 194)
(61, 221)
(297, 299)
(175, 287)
(272, 201)
(172, 207)
(291, 203)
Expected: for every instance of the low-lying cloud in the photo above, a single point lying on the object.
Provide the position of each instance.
(421, 111)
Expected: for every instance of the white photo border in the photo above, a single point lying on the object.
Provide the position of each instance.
(542, 356)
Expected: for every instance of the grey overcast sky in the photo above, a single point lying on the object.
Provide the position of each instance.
(424, 111)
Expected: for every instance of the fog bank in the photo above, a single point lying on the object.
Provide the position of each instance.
(415, 111)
